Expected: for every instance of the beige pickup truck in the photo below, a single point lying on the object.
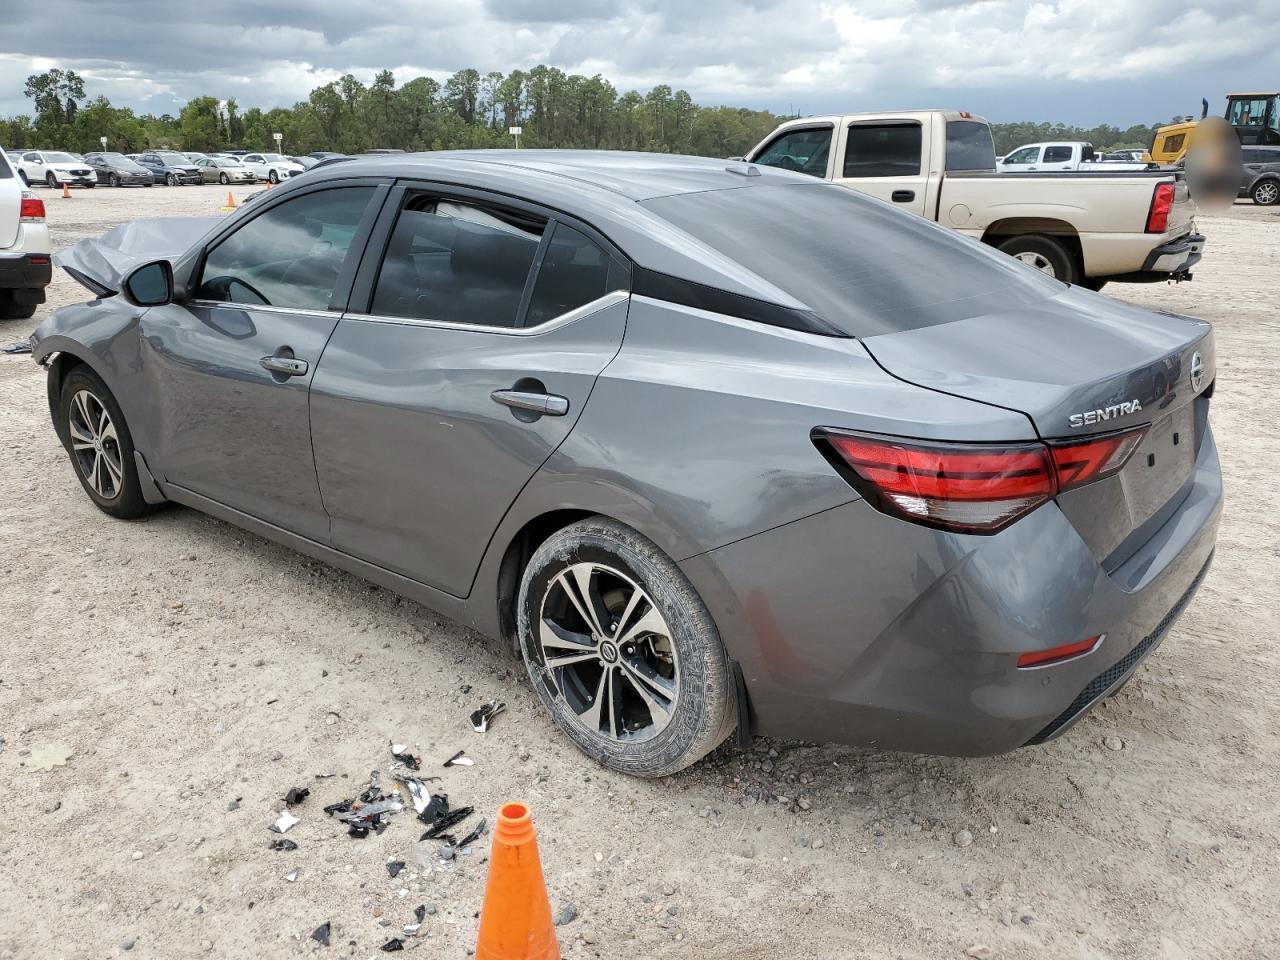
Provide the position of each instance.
(1085, 228)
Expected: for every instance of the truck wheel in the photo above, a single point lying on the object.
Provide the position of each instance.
(1266, 193)
(10, 309)
(1044, 254)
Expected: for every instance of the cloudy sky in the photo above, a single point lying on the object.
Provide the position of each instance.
(1079, 61)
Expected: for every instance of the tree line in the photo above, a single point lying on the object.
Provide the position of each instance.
(469, 110)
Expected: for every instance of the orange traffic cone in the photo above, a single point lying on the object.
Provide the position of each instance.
(515, 921)
(231, 201)
(66, 192)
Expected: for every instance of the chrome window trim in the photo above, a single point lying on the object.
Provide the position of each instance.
(231, 304)
(577, 313)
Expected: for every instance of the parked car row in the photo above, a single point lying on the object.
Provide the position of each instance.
(54, 168)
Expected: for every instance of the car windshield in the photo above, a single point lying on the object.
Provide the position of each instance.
(861, 265)
(59, 158)
(170, 157)
(272, 157)
(227, 162)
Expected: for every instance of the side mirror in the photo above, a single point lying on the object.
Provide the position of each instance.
(151, 285)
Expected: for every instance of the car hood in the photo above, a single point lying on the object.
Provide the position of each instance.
(101, 263)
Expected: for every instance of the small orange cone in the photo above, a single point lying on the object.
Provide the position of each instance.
(515, 921)
(66, 192)
(231, 202)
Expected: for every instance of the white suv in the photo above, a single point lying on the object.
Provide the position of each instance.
(25, 251)
(272, 167)
(54, 168)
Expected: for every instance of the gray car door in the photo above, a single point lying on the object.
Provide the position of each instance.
(480, 335)
(236, 361)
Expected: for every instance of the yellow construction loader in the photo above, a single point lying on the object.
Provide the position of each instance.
(1254, 116)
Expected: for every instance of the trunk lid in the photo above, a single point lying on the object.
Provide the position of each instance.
(1075, 365)
(101, 263)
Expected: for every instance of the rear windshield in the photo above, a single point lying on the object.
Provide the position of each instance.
(969, 146)
(861, 265)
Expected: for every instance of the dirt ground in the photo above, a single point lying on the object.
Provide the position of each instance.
(189, 665)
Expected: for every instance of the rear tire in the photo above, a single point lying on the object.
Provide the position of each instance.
(644, 727)
(10, 309)
(1042, 253)
(1266, 193)
(96, 437)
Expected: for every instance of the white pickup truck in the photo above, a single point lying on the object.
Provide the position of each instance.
(1084, 228)
(25, 268)
(1064, 155)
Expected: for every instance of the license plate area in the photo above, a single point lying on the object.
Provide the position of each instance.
(1161, 465)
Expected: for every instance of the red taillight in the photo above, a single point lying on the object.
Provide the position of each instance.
(1068, 651)
(1161, 204)
(32, 208)
(970, 487)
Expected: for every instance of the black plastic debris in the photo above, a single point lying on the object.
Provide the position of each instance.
(447, 820)
(394, 867)
(283, 844)
(459, 759)
(481, 718)
(321, 933)
(436, 808)
(401, 752)
(420, 912)
(21, 346)
(474, 835)
(368, 811)
(342, 806)
(296, 795)
(392, 945)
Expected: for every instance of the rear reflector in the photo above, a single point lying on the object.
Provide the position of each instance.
(1068, 651)
(970, 487)
(1161, 204)
(31, 209)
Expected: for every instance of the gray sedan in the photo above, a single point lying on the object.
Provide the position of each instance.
(708, 446)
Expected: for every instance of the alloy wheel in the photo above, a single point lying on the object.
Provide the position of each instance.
(608, 652)
(1037, 260)
(1266, 193)
(95, 444)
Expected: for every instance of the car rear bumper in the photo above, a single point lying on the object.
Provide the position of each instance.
(851, 626)
(30, 272)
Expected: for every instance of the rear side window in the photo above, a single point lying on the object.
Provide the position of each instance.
(289, 256)
(1057, 154)
(458, 263)
(854, 262)
(804, 151)
(882, 150)
(574, 272)
(969, 146)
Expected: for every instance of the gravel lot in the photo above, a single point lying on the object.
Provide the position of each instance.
(189, 665)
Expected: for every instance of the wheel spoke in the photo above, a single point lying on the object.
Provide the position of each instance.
(644, 676)
(113, 469)
(659, 710)
(633, 602)
(582, 593)
(592, 715)
(554, 636)
(80, 437)
(651, 622)
(82, 408)
(95, 472)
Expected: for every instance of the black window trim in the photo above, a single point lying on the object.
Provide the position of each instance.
(355, 253)
(360, 303)
(885, 122)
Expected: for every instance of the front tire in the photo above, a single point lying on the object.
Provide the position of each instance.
(52, 181)
(1266, 193)
(1046, 254)
(114, 180)
(622, 651)
(273, 177)
(224, 179)
(93, 430)
(171, 180)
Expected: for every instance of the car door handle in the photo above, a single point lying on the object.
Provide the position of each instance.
(287, 366)
(543, 404)
(903, 196)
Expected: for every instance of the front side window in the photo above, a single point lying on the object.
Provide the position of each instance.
(804, 151)
(1059, 154)
(1025, 155)
(882, 150)
(457, 262)
(289, 256)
